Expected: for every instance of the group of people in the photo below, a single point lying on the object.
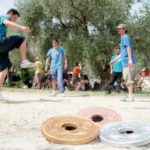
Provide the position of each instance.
(76, 80)
(56, 62)
(70, 80)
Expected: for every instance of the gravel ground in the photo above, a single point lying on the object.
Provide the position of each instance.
(22, 115)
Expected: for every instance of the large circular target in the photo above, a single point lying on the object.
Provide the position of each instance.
(69, 130)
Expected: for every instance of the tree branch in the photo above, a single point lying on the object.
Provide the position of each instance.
(62, 23)
(83, 18)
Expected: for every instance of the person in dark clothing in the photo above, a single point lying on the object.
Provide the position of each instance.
(83, 84)
(12, 42)
(116, 74)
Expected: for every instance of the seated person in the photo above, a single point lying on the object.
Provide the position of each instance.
(83, 84)
(76, 72)
(68, 82)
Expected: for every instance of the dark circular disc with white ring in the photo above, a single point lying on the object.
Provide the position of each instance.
(69, 130)
(125, 134)
(100, 115)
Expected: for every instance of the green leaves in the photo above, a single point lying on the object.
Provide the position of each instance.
(71, 20)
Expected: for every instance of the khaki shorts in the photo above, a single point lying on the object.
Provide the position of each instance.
(129, 74)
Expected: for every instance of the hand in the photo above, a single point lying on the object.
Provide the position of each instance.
(26, 29)
(130, 64)
(112, 63)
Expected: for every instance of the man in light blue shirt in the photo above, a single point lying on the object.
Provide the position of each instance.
(54, 59)
(128, 60)
(116, 74)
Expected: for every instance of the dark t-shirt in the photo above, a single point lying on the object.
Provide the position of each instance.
(65, 75)
(4, 58)
(3, 28)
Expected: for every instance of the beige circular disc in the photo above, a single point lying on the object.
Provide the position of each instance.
(100, 115)
(69, 130)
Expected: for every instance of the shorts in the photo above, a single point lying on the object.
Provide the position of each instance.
(7, 44)
(129, 74)
(50, 77)
(56, 73)
(4, 61)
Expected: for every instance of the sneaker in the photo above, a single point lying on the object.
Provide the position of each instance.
(26, 64)
(61, 95)
(128, 99)
(53, 94)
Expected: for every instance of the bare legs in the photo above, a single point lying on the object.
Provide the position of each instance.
(54, 82)
(22, 50)
(130, 89)
(37, 81)
(23, 56)
(3, 75)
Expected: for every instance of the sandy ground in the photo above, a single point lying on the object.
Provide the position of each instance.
(22, 116)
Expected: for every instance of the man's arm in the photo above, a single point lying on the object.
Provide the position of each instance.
(65, 62)
(116, 59)
(126, 43)
(47, 64)
(16, 26)
(129, 55)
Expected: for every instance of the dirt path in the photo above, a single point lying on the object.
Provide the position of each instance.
(21, 117)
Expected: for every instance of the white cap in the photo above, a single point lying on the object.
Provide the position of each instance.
(122, 26)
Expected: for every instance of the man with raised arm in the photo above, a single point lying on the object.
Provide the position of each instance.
(11, 42)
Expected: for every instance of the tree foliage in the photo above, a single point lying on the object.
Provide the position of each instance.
(86, 28)
(140, 31)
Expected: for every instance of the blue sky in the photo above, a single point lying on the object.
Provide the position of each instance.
(5, 5)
